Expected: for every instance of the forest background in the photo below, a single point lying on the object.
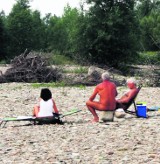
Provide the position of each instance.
(116, 33)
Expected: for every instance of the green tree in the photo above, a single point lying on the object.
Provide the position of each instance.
(149, 18)
(19, 25)
(26, 29)
(151, 31)
(3, 37)
(81, 43)
(145, 7)
(70, 22)
(38, 32)
(56, 34)
(61, 31)
(110, 34)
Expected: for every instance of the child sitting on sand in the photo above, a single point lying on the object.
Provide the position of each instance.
(46, 106)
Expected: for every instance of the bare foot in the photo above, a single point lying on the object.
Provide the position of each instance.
(95, 120)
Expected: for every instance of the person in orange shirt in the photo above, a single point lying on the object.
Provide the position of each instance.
(47, 106)
(131, 84)
(107, 92)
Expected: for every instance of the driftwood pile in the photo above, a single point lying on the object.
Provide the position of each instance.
(31, 67)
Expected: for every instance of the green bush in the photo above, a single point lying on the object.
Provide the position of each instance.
(61, 60)
(149, 57)
(3, 62)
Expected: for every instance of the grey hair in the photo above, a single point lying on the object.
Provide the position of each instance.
(105, 76)
(131, 80)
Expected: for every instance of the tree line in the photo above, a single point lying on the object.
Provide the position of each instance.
(109, 32)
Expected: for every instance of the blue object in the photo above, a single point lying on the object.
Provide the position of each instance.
(142, 111)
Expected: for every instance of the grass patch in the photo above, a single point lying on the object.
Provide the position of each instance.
(55, 84)
(77, 70)
(46, 85)
(80, 86)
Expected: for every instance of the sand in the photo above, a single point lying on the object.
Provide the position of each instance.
(128, 140)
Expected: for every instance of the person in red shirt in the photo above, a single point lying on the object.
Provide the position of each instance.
(131, 84)
(107, 92)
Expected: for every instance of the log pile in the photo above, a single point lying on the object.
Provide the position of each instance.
(31, 67)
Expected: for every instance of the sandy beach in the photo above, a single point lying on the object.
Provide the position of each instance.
(128, 140)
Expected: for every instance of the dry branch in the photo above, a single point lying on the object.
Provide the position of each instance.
(31, 67)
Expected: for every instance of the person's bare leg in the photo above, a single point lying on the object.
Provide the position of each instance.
(93, 106)
(92, 110)
(35, 110)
